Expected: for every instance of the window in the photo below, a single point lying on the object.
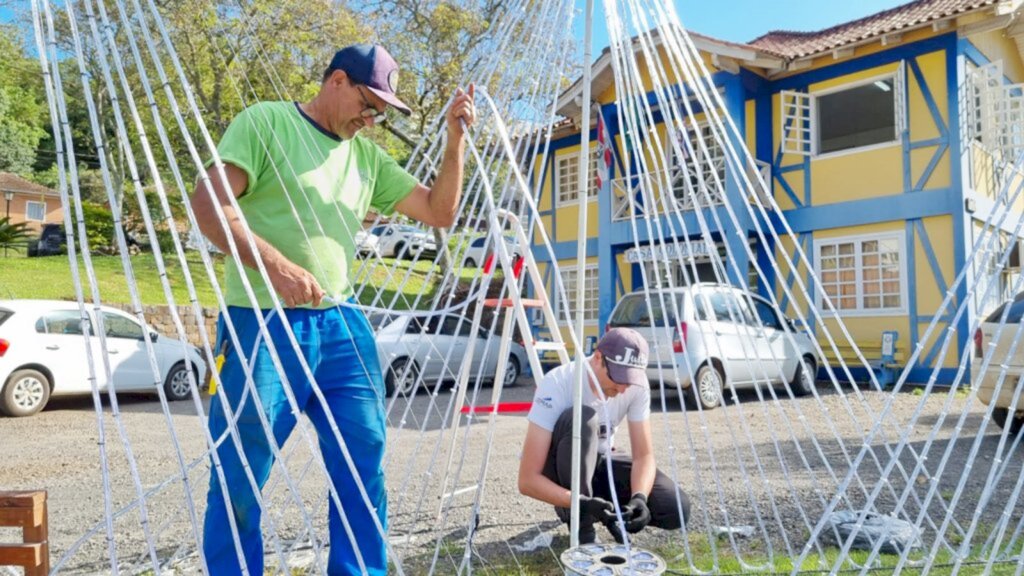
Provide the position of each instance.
(569, 174)
(118, 326)
(699, 164)
(633, 311)
(590, 292)
(868, 113)
(864, 274)
(61, 322)
(726, 307)
(858, 116)
(769, 318)
(35, 211)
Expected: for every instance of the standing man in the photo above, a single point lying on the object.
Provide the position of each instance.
(647, 495)
(304, 179)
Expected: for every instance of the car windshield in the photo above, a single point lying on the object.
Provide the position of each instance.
(409, 229)
(633, 312)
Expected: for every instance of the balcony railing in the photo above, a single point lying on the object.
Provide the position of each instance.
(626, 191)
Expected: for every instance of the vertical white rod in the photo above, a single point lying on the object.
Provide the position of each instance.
(581, 268)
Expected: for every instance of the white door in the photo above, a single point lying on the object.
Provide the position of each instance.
(777, 356)
(129, 363)
(61, 348)
(733, 332)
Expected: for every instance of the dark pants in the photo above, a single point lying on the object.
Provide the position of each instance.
(665, 501)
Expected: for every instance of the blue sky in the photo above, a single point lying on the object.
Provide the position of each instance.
(744, 20)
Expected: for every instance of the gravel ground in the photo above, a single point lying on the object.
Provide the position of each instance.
(754, 462)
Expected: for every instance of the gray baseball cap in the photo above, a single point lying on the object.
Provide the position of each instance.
(625, 351)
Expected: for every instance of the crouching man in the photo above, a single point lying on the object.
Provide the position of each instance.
(648, 497)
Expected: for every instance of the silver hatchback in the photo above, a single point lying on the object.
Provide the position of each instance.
(717, 335)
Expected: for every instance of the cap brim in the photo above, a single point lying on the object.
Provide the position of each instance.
(628, 375)
(392, 100)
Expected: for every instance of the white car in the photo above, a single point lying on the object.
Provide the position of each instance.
(367, 244)
(720, 336)
(476, 256)
(429, 350)
(1006, 413)
(43, 354)
(403, 241)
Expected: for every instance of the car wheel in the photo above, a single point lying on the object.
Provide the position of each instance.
(177, 386)
(33, 249)
(470, 263)
(402, 377)
(400, 250)
(803, 381)
(25, 393)
(512, 370)
(1003, 417)
(706, 390)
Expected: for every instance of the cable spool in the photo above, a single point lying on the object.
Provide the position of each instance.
(612, 560)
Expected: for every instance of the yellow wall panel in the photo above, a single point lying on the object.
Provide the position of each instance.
(855, 77)
(996, 45)
(919, 160)
(940, 235)
(933, 69)
(795, 180)
(844, 177)
(751, 127)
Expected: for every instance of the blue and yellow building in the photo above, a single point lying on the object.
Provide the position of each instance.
(887, 187)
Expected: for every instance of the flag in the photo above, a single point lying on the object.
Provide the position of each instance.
(604, 152)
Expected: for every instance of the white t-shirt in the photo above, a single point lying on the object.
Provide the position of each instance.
(554, 396)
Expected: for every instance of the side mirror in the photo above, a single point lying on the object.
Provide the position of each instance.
(153, 336)
(797, 325)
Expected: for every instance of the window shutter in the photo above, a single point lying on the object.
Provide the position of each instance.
(1008, 116)
(797, 117)
(986, 82)
(900, 91)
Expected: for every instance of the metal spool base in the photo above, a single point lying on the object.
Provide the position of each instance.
(611, 560)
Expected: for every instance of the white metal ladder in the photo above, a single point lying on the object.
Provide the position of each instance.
(517, 306)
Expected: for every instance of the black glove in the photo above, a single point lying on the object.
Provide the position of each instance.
(596, 508)
(639, 515)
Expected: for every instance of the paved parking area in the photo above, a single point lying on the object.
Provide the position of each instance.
(779, 460)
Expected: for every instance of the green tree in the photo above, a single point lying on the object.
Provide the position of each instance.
(22, 104)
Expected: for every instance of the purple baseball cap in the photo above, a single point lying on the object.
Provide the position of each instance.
(371, 66)
(625, 351)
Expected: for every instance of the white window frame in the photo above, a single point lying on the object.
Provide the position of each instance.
(570, 291)
(573, 182)
(714, 161)
(801, 111)
(858, 240)
(29, 205)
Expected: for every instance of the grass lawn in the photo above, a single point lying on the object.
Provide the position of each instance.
(49, 277)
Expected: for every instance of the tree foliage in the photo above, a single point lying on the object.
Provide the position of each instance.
(22, 104)
(13, 236)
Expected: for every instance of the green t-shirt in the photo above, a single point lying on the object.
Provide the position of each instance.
(307, 194)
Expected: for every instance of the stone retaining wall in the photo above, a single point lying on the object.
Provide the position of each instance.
(159, 318)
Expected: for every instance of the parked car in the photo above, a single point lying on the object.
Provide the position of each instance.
(1005, 412)
(476, 256)
(433, 349)
(43, 355)
(367, 243)
(403, 241)
(51, 242)
(717, 335)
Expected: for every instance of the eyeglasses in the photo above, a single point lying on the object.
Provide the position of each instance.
(368, 109)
